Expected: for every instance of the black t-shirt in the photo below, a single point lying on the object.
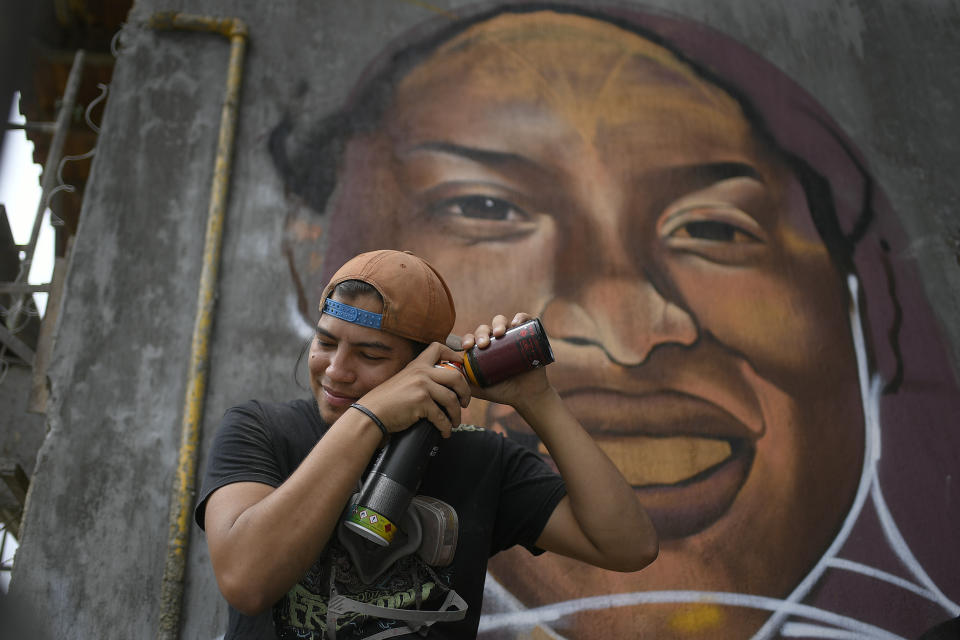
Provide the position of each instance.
(503, 494)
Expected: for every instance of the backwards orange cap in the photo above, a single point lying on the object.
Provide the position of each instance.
(417, 304)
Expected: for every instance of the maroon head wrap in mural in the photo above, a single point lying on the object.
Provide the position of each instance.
(735, 315)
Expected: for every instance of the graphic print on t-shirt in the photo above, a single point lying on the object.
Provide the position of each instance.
(409, 583)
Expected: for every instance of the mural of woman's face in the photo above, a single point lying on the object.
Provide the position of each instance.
(563, 166)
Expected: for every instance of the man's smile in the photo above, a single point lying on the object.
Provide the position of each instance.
(337, 399)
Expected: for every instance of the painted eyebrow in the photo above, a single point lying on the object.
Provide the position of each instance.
(372, 344)
(705, 173)
(476, 154)
(714, 172)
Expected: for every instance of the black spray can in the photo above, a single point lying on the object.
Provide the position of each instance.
(396, 475)
(393, 482)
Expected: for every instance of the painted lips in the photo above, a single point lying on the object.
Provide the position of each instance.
(686, 458)
(690, 505)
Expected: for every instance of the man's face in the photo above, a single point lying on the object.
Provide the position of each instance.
(561, 166)
(348, 360)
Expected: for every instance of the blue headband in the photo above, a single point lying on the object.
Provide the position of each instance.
(352, 314)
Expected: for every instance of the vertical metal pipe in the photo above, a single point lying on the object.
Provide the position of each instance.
(181, 500)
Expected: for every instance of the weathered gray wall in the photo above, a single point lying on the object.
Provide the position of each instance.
(93, 546)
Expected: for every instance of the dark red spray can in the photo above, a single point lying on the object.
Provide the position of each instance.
(520, 349)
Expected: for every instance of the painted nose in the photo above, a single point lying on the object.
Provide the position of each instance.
(626, 317)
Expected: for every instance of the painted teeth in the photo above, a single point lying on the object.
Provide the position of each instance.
(648, 461)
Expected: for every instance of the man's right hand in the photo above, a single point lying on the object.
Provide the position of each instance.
(421, 390)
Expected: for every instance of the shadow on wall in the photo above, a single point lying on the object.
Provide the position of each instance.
(949, 630)
(20, 620)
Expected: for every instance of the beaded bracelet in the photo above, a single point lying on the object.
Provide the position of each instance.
(372, 416)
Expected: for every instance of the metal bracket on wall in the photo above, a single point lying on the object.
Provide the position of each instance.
(181, 500)
(16, 336)
(48, 183)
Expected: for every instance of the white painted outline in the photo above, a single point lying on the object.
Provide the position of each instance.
(900, 547)
(871, 388)
(804, 630)
(552, 612)
(856, 567)
(870, 391)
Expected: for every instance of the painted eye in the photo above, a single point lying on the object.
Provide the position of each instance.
(718, 232)
(471, 214)
(482, 208)
(713, 231)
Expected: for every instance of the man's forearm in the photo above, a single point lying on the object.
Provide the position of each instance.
(270, 544)
(603, 505)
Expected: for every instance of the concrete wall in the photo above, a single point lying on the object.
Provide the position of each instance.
(93, 543)
(23, 431)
